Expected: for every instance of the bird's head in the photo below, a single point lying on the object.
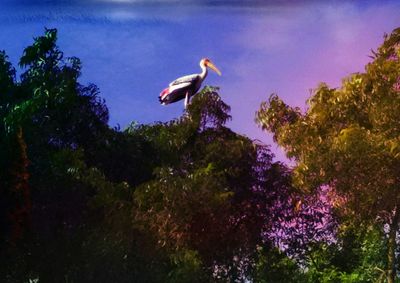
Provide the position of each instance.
(208, 64)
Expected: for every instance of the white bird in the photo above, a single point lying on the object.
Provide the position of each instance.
(187, 86)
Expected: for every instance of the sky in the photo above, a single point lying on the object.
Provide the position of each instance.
(132, 49)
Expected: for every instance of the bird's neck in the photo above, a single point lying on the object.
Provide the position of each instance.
(204, 72)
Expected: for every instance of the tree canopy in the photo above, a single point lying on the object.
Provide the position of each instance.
(184, 201)
(348, 139)
(190, 200)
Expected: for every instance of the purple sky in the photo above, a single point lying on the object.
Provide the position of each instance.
(132, 49)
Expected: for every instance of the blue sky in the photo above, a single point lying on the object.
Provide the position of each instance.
(132, 49)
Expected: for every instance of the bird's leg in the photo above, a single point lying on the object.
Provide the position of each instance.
(186, 100)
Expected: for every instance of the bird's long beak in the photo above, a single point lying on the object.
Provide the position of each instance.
(212, 66)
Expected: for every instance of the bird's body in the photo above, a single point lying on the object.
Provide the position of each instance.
(177, 89)
(187, 86)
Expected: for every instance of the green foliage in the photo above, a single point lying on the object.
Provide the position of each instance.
(7, 74)
(187, 267)
(358, 256)
(56, 116)
(227, 179)
(274, 266)
(190, 200)
(345, 131)
(183, 201)
(348, 140)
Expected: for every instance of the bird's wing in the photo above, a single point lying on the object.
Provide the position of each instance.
(185, 80)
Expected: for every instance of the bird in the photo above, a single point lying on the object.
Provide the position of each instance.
(187, 86)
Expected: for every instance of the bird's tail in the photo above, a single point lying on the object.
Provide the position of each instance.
(163, 96)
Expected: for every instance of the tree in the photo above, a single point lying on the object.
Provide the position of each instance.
(214, 194)
(184, 201)
(273, 265)
(7, 81)
(348, 139)
(46, 118)
(19, 189)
